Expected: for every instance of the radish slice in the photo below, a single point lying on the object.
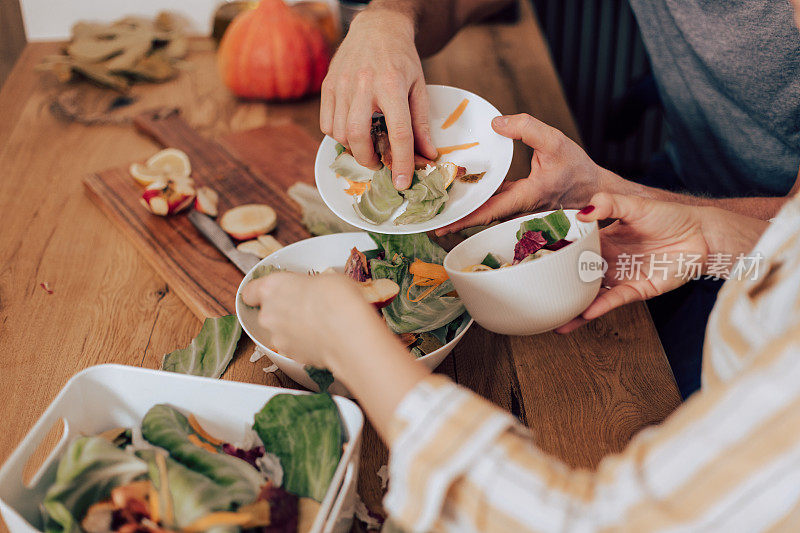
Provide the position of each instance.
(253, 247)
(248, 221)
(270, 243)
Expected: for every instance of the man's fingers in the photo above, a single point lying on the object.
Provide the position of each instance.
(498, 206)
(326, 110)
(359, 123)
(420, 120)
(529, 130)
(340, 115)
(401, 139)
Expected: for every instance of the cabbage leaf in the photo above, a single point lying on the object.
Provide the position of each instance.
(210, 352)
(305, 432)
(346, 166)
(87, 472)
(317, 217)
(426, 198)
(381, 199)
(554, 226)
(167, 427)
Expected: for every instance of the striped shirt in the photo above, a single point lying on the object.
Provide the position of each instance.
(726, 460)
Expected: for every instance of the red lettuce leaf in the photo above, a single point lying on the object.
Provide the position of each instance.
(530, 243)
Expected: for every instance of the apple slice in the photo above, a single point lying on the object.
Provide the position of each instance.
(170, 162)
(253, 247)
(248, 221)
(379, 292)
(451, 171)
(270, 243)
(207, 201)
(165, 198)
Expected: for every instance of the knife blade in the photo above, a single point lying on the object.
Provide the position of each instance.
(214, 234)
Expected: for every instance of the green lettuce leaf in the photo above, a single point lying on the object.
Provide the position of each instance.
(210, 352)
(403, 315)
(321, 376)
(193, 495)
(87, 472)
(426, 198)
(411, 246)
(346, 166)
(167, 427)
(554, 226)
(379, 202)
(317, 217)
(305, 432)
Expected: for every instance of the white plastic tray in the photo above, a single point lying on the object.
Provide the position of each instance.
(107, 396)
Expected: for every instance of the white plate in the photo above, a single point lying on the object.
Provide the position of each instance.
(492, 155)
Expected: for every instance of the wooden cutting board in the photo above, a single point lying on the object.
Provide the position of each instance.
(253, 166)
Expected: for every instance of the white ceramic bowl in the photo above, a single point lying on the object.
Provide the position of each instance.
(531, 297)
(317, 254)
(492, 155)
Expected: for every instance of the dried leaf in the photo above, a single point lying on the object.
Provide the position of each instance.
(100, 74)
(155, 68)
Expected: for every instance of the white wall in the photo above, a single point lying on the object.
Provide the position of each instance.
(52, 19)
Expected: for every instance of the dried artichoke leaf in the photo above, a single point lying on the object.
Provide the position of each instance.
(134, 51)
(155, 67)
(101, 75)
(177, 47)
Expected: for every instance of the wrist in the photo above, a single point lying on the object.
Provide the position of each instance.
(728, 233)
(387, 17)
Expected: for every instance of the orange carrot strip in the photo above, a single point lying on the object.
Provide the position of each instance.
(456, 114)
(428, 270)
(152, 503)
(202, 432)
(423, 295)
(448, 149)
(222, 518)
(194, 439)
(357, 188)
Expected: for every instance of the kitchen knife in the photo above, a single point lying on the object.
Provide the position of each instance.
(217, 236)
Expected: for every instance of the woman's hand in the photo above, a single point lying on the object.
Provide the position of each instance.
(324, 321)
(562, 175)
(377, 68)
(652, 248)
(311, 318)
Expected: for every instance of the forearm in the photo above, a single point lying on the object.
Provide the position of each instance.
(376, 369)
(760, 207)
(436, 22)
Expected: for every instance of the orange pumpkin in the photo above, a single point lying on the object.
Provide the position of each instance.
(274, 53)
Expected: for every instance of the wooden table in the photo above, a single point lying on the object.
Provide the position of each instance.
(585, 394)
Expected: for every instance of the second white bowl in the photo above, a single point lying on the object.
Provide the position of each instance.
(532, 297)
(317, 254)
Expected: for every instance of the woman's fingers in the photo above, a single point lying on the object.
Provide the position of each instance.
(605, 205)
(607, 300)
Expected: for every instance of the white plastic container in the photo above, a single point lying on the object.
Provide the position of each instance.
(108, 396)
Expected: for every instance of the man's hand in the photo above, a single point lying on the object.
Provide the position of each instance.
(562, 175)
(377, 68)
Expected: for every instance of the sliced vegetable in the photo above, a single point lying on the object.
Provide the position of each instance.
(185, 495)
(253, 247)
(168, 428)
(210, 352)
(456, 114)
(270, 243)
(472, 178)
(491, 261)
(554, 226)
(444, 150)
(248, 221)
(207, 201)
(357, 266)
(221, 519)
(346, 166)
(340, 148)
(379, 292)
(317, 217)
(451, 172)
(379, 202)
(426, 198)
(87, 472)
(165, 198)
(305, 432)
(321, 376)
(356, 189)
(530, 243)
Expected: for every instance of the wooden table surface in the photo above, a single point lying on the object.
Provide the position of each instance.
(584, 394)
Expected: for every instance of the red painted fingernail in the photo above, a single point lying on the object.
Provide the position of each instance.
(586, 210)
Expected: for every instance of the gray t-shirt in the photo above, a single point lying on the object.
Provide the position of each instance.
(728, 72)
